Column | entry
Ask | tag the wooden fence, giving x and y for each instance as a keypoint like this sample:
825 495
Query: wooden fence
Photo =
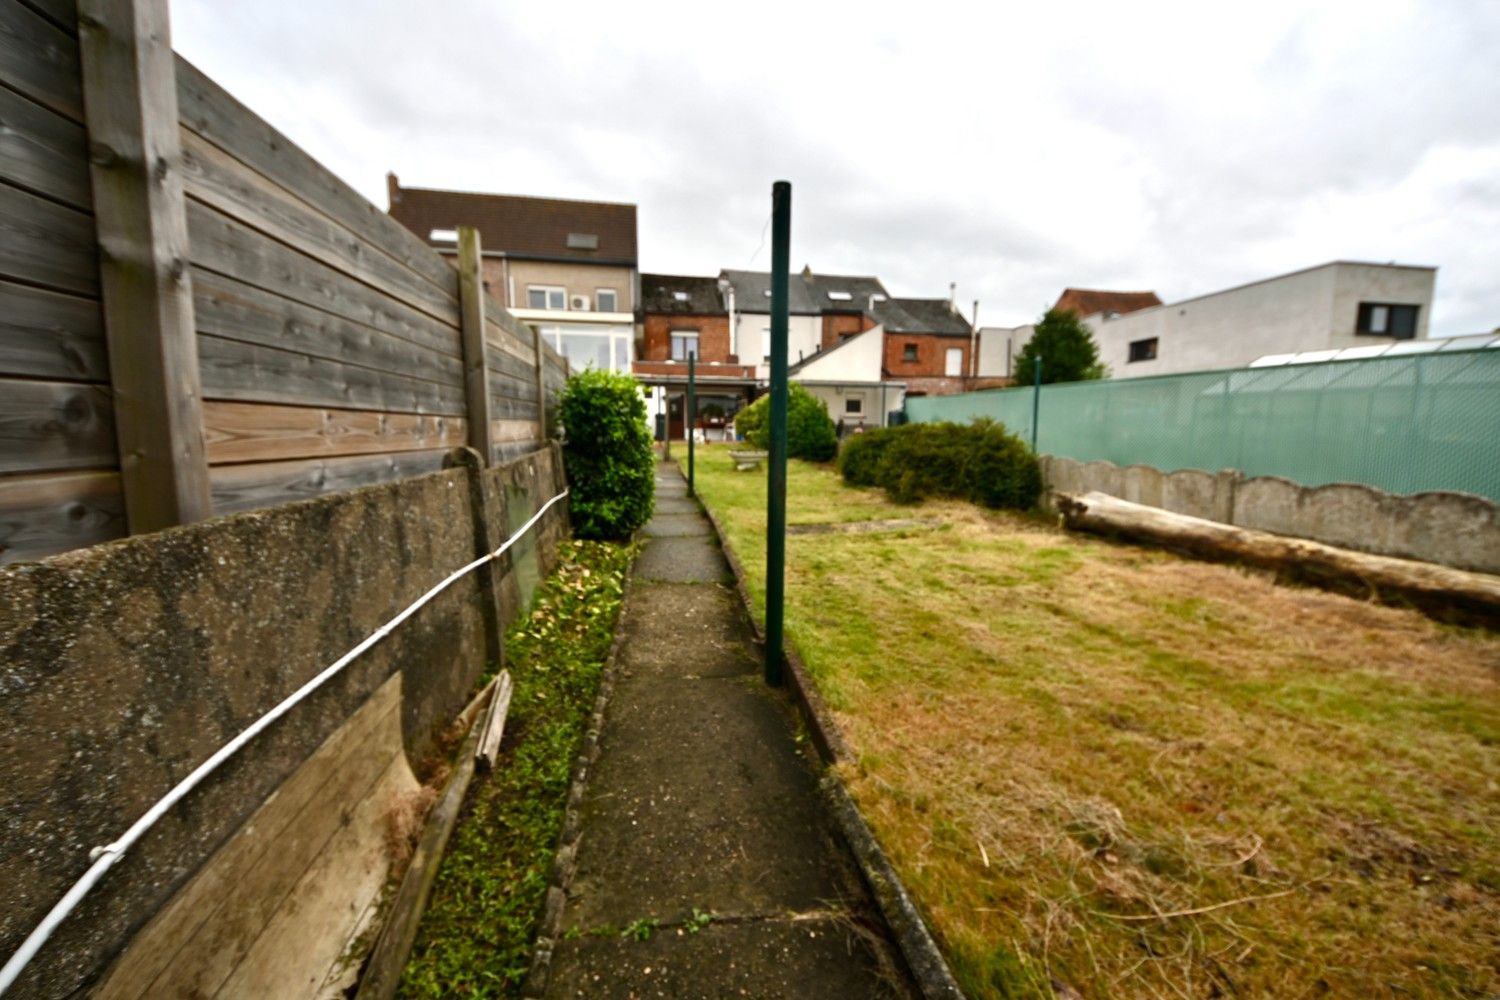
182 285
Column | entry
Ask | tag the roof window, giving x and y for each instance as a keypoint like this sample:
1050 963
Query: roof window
840 296
443 236
680 296
583 241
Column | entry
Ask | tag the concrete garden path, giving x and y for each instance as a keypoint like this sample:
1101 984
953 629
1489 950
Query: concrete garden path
700 803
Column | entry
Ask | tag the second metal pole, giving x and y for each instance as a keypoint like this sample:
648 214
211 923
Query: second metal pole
692 413
781 247
1036 398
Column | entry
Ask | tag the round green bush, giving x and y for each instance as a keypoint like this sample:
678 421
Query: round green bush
608 454
980 462
809 430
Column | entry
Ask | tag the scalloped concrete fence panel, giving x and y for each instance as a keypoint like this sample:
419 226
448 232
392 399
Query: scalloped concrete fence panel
1454 529
126 664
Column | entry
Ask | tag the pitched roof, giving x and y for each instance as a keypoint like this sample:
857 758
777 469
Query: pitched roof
807 292
522 226
921 316
1090 302
659 294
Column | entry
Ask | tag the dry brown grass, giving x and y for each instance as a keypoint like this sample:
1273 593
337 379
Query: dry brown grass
1108 770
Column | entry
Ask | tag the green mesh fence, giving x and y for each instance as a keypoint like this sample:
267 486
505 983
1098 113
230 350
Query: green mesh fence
1404 424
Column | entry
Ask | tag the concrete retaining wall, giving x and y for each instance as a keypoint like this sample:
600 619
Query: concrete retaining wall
126 664
1454 529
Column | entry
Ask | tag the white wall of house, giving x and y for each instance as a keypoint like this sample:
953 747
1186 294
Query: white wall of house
1309 310
848 381
994 341
863 404
804 334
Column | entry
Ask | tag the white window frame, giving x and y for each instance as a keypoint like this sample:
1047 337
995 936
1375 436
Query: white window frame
547 292
614 296
674 335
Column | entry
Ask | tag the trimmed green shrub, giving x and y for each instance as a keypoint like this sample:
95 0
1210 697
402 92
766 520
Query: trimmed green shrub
859 457
611 465
809 430
980 462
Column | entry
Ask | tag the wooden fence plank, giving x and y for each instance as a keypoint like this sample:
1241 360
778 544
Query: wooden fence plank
250 373
64 13
264 484
42 515
476 354
40 60
44 243
51 335
213 113
224 307
216 178
259 432
55 425
504 363
44 152
135 169
511 431
229 247
516 345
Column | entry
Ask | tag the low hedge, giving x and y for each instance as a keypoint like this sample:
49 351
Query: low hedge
980 461
809 430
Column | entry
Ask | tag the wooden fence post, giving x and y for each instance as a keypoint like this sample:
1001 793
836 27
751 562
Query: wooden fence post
135 165
541 382
476 366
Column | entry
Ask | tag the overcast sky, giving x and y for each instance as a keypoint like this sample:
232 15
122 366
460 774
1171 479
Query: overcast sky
1013 149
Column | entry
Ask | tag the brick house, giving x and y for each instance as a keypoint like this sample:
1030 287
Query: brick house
927 345
679 315
566 267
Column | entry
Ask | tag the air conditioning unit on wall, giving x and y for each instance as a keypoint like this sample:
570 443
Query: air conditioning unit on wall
580 303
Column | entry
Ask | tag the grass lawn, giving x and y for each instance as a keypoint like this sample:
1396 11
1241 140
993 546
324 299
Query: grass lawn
1105 771
475 937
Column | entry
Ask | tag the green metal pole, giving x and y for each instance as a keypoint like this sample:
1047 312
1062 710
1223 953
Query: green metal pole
1036 399
692 413
781 253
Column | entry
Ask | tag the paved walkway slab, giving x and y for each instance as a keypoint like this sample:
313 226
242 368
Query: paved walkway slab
701 801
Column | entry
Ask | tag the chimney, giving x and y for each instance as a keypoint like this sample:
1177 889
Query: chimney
952 294
392 187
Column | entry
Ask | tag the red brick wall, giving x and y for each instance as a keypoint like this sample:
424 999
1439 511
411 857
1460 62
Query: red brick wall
931 350
842 324
713 336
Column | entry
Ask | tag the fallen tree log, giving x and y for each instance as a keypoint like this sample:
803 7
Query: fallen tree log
1443 592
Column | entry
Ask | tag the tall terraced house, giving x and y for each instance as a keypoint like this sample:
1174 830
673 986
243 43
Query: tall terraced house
566 267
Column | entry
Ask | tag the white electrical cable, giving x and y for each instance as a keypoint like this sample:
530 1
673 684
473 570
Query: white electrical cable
105 857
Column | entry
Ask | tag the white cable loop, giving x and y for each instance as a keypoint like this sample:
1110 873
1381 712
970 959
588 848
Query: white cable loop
104 857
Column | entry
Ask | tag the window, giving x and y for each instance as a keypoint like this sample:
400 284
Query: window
684 342
1143 350
909 352
953 361
591 345
546 297
1385 319
854 405
605 300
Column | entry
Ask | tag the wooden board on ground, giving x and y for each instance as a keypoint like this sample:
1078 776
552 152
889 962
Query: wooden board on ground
494 722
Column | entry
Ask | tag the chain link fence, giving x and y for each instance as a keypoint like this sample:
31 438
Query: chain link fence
1404 424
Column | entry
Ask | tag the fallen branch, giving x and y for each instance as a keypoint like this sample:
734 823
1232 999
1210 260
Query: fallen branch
1440 590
